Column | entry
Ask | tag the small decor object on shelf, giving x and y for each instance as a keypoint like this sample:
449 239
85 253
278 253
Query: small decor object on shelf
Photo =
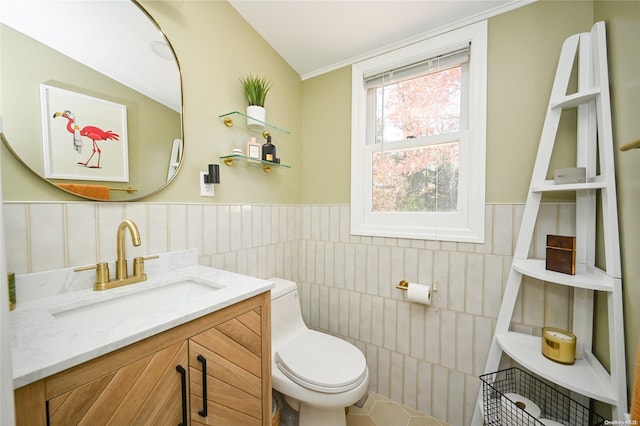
561 254
253 150
269 151
559 345
256 89
571 175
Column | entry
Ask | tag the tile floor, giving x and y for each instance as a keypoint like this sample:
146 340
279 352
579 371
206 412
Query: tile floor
380 411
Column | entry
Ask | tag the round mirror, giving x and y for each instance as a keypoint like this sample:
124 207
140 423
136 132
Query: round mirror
91 96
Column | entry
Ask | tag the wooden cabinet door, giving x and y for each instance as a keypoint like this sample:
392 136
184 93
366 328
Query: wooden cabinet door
145 392
231 353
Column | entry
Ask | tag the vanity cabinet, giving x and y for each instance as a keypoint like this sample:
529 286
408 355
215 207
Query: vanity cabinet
146 391
149 381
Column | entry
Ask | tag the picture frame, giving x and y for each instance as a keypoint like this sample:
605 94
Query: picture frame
84 137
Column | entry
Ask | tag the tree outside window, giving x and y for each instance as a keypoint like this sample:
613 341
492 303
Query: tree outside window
423 178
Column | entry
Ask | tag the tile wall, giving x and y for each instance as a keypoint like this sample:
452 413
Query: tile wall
425 357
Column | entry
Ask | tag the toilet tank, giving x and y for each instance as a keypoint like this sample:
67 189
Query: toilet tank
286 316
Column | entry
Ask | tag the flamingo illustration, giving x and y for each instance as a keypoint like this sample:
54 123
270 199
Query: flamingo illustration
93 133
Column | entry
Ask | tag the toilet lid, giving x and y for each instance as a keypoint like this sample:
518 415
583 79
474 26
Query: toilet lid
321 362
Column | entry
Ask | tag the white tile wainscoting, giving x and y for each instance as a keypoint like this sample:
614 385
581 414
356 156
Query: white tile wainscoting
426 358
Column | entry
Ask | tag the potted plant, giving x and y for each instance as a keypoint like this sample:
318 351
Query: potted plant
255 89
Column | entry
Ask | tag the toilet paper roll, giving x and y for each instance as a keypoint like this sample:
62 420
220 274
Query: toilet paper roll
419 293
518 410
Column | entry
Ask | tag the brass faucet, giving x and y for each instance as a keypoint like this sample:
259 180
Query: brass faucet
122 275
121 262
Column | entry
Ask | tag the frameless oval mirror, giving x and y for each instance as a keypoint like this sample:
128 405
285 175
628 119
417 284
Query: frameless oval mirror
91 96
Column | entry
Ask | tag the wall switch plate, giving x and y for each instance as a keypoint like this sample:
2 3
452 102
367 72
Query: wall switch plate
206 189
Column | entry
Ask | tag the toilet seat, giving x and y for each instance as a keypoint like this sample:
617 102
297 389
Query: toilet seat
321 362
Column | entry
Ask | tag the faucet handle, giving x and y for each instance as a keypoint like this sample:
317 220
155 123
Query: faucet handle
102 271
138 265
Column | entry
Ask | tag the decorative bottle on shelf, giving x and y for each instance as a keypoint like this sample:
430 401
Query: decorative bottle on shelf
269 151
253 149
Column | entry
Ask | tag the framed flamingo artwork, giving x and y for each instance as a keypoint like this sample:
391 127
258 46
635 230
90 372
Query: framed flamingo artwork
84 138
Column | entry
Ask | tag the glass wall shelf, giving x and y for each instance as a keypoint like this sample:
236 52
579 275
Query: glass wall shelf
227 119
229 160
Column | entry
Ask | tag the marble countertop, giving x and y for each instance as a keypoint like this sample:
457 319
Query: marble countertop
41 345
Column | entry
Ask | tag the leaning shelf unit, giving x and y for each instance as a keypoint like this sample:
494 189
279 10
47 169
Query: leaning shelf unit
587 376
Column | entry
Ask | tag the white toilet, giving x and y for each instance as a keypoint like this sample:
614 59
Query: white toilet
319 374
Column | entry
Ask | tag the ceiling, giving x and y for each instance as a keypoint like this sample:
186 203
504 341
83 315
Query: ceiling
130 51
317 36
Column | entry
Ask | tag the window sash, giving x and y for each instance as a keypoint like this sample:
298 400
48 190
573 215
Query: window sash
441 226
413 219
372 110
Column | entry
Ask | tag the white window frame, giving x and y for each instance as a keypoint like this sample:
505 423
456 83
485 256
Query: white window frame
467 225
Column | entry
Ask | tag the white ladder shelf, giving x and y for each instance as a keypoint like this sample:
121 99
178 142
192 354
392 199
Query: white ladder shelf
587 376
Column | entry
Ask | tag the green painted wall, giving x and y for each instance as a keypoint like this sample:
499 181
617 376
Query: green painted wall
228 48
326 152
524 45
623 37
215 47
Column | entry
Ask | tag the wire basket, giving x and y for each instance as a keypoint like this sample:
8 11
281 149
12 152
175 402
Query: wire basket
506 393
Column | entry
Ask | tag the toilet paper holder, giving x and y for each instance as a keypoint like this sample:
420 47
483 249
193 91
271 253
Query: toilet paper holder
404 285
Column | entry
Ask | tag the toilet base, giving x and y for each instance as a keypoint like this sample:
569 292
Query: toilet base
316 416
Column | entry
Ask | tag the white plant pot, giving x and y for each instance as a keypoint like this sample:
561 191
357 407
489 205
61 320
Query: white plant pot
256 117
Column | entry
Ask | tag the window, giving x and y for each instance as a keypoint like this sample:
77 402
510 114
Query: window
418 140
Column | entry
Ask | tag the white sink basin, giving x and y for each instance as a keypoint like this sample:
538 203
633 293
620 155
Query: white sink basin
108 313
